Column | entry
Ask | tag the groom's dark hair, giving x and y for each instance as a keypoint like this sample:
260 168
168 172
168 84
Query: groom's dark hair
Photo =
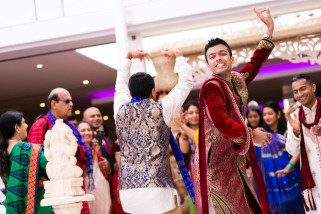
141 85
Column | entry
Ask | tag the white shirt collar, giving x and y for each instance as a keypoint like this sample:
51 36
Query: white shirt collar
313 109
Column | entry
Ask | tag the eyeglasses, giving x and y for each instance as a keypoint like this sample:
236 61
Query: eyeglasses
66 101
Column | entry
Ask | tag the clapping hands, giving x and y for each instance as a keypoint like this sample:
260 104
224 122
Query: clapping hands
180 118
294 121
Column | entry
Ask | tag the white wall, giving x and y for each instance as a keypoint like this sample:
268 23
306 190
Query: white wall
16 12
168 9
32 24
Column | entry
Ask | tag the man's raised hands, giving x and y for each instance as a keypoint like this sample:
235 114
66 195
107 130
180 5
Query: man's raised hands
266 18
138 54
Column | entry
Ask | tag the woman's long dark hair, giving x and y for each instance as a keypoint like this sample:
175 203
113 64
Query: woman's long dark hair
281 128
8 121
258 111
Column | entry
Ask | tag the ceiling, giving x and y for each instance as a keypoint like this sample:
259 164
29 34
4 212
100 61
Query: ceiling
24 87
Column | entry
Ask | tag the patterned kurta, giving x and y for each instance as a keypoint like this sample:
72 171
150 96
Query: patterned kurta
143 139
227 139
313 149
27 163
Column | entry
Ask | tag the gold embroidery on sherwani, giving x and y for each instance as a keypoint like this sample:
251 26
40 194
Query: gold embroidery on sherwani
242 90
265 43
240 86
245 75
241 165
220 206
238 140
243 187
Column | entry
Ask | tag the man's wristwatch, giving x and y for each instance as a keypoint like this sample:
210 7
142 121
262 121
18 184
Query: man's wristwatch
267 36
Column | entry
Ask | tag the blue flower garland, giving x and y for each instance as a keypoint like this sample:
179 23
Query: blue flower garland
80 142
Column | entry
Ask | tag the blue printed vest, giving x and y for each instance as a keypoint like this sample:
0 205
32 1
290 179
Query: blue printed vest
144 141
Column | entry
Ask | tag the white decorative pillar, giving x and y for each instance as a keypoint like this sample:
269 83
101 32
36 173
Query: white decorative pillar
124 41
63 190
121 33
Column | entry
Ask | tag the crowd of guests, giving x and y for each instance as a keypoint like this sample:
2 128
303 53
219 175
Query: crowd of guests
210 149
19 150
280 169
279 164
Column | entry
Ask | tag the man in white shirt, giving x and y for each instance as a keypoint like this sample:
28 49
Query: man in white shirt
143 131
304 138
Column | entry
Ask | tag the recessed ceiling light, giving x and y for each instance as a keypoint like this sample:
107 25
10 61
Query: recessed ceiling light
77 112
105 117
85 82
39 66
42 105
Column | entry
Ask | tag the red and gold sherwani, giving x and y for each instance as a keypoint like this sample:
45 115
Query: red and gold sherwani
225 140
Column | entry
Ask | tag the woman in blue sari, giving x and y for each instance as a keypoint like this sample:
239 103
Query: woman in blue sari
281 173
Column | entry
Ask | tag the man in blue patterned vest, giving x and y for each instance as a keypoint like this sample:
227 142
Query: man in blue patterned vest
143 130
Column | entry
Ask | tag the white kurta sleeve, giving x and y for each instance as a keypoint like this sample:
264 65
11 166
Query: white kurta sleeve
177 96
122 94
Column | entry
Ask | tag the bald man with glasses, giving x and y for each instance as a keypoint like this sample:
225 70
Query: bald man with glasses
60 107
